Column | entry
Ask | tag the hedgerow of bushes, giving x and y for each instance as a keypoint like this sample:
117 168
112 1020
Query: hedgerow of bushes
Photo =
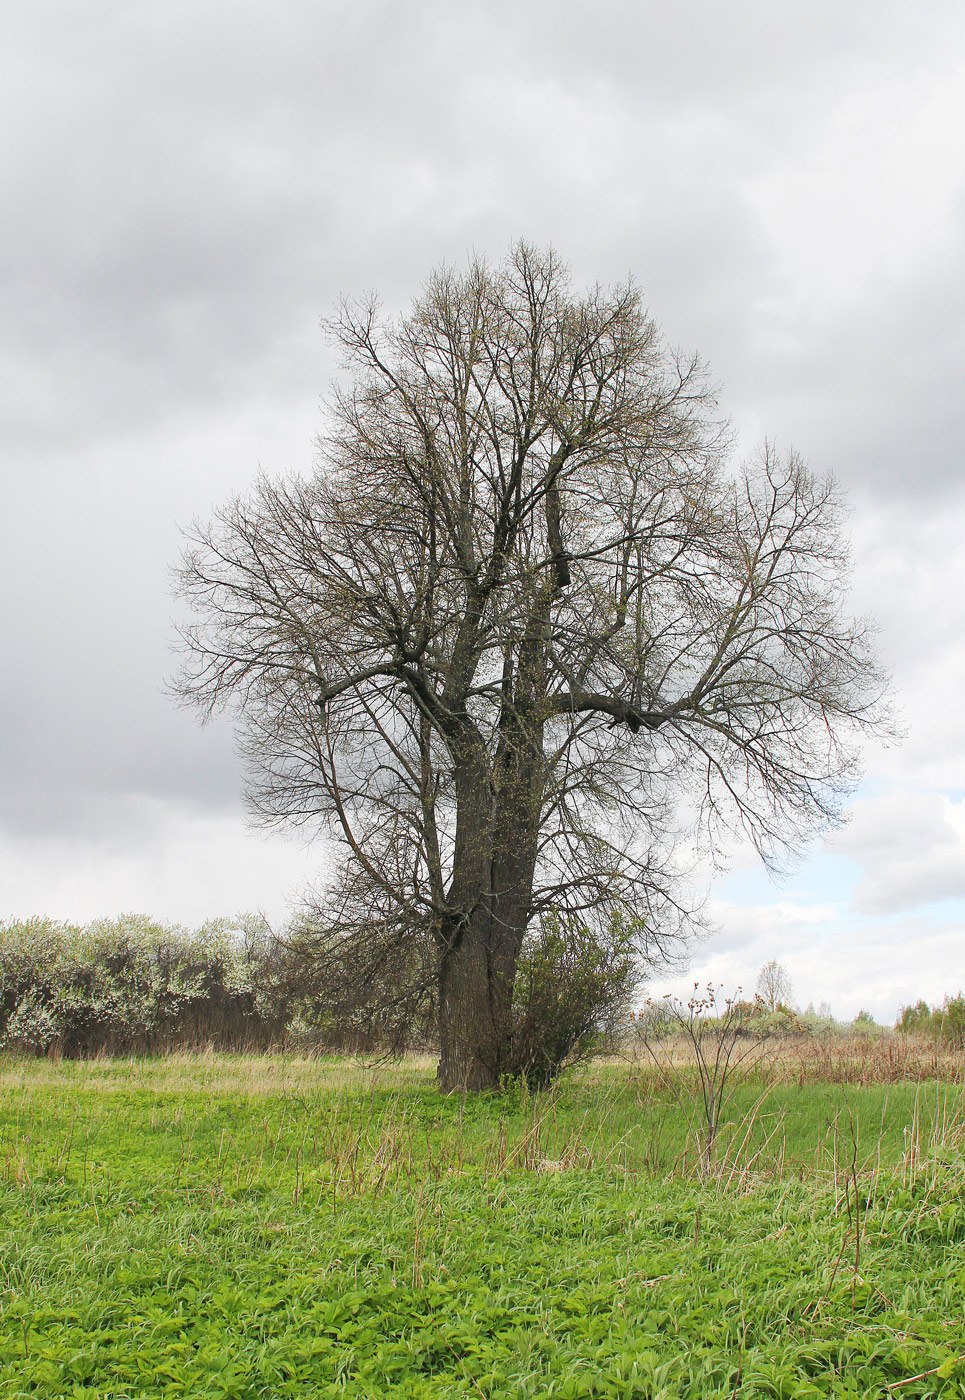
130 985
135 986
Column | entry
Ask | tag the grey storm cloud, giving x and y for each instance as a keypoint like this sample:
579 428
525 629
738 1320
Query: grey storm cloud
187 190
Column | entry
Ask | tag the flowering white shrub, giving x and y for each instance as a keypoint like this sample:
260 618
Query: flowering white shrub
131 984
31 1029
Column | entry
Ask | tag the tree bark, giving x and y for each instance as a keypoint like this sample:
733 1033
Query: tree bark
468 1040
493 878
477 975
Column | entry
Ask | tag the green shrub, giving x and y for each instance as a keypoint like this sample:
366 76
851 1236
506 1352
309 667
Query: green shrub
945 1023
574 983
952 1021
915 1018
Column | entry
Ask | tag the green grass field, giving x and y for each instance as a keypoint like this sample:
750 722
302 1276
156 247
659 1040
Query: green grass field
212 1226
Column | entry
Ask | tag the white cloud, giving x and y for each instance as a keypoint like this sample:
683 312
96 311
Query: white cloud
852 964
168 861
876 191
911 847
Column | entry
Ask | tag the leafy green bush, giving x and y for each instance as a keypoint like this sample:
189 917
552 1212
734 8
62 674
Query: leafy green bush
945 1023
574 983
864 1023
819 1024
915 1018
952 1021
31 1029
781 1022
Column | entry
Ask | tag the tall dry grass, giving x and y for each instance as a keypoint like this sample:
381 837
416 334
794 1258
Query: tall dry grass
887 1057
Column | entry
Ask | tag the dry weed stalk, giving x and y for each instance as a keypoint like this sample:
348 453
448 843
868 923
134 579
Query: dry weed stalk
719 1042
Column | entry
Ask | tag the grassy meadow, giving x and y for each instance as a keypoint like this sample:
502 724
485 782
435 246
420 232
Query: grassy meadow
265 1226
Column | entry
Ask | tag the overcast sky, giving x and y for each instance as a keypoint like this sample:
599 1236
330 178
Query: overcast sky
188 188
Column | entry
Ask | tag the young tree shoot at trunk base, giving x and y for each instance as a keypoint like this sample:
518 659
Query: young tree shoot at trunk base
524 612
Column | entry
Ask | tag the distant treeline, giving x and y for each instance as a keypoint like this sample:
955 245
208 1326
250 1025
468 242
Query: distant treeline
131 985
945 1022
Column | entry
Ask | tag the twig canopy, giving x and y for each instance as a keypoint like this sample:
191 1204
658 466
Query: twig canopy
522 606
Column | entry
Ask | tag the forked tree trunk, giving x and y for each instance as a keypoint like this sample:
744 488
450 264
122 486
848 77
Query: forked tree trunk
468 1039
476 979
493 869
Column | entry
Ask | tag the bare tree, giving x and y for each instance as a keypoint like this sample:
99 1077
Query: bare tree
774 986
522 609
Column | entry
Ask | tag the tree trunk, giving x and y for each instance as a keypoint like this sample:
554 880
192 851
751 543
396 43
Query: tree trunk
469 1055
468 1039
493 868
477 974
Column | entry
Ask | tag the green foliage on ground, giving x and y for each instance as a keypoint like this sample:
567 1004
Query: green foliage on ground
266 1228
